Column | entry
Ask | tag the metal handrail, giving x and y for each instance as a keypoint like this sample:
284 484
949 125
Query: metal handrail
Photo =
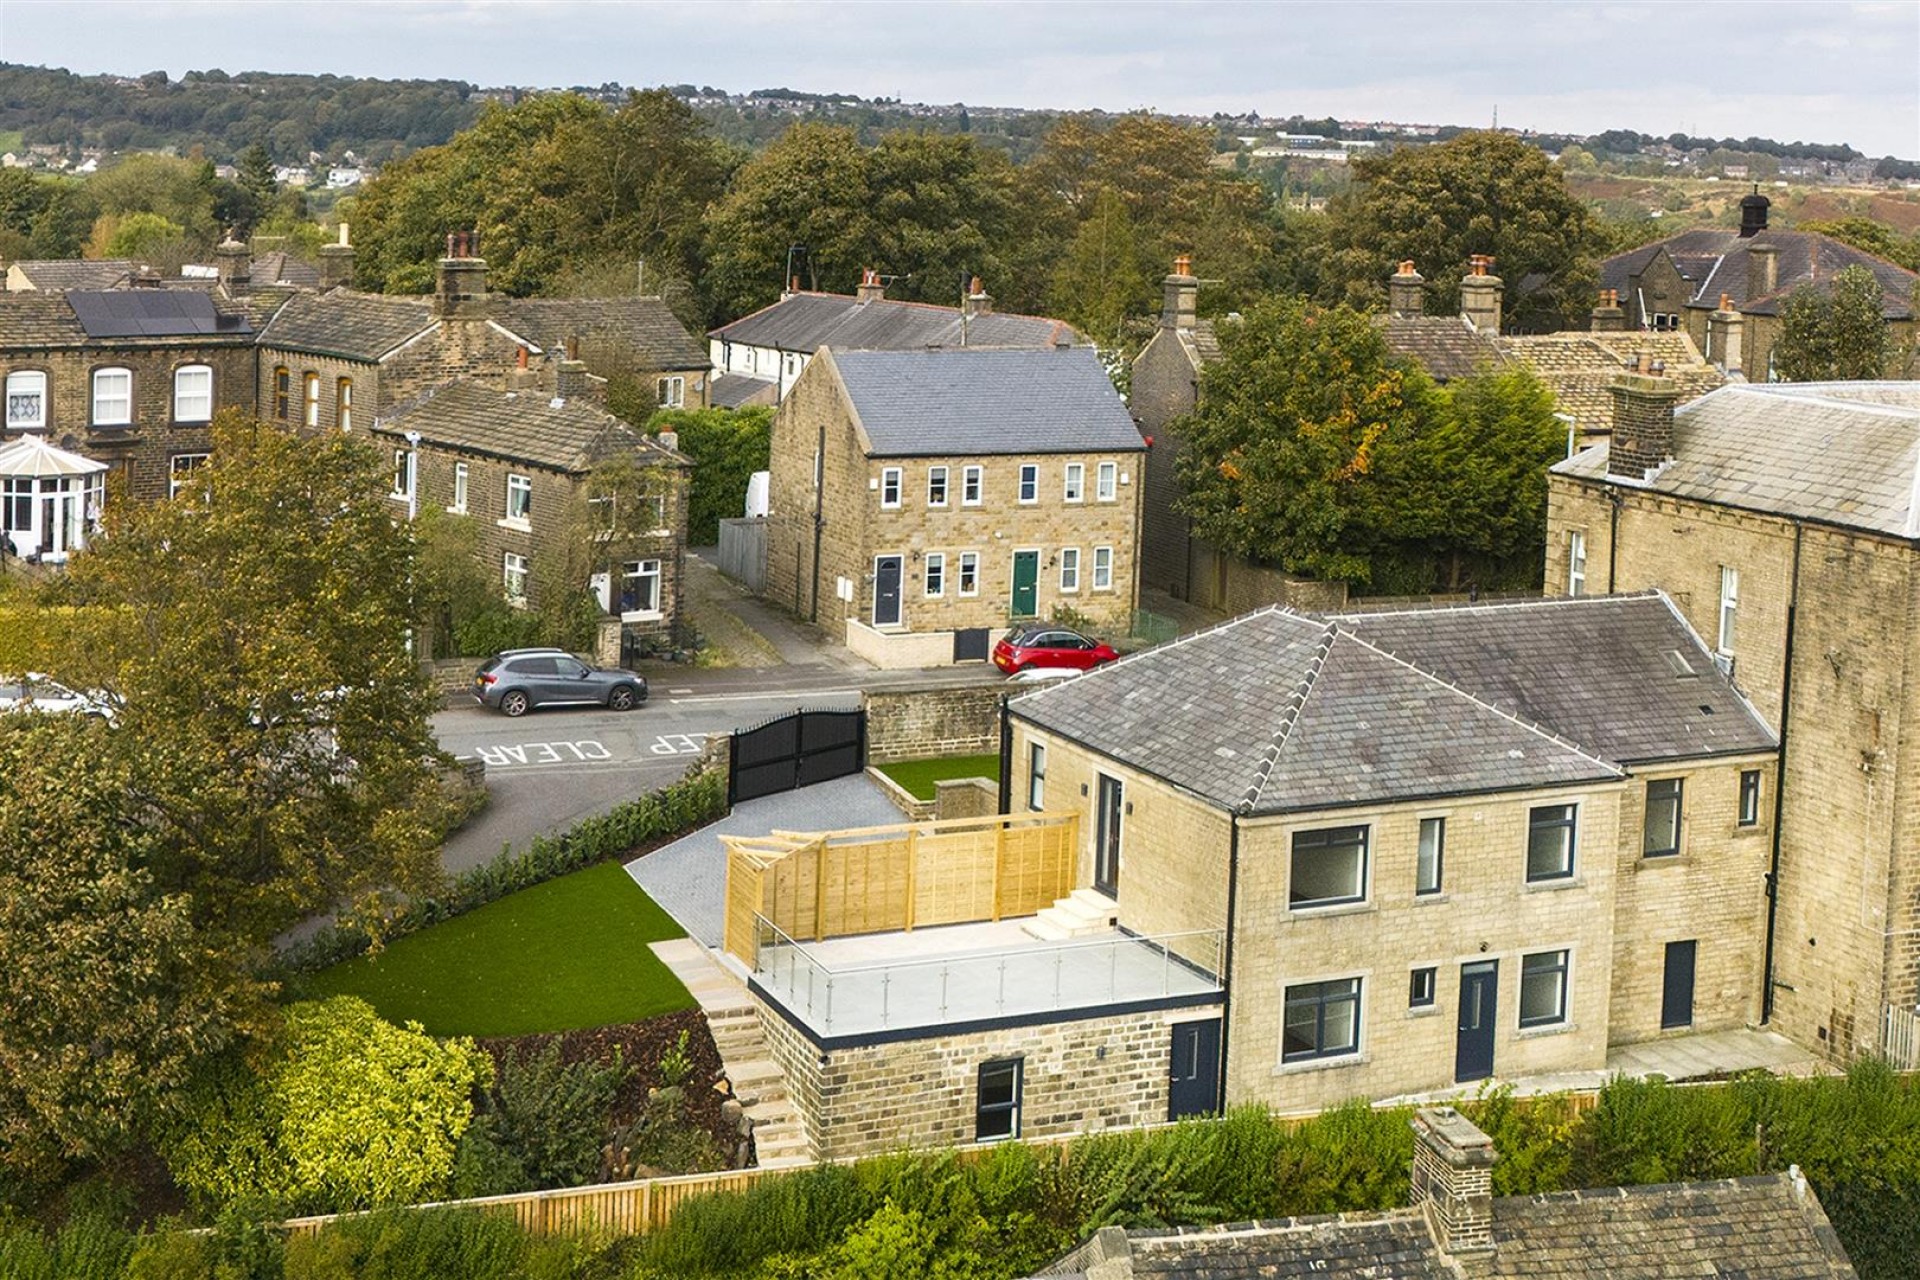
1162 941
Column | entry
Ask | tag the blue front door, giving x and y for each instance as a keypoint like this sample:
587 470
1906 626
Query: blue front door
1479 1015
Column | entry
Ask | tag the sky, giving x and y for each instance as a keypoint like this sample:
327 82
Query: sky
1824 71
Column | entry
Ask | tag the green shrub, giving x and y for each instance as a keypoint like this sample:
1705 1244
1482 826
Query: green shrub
1649 1131
551 1116
727 446
90 1246
1534 1139
413 1245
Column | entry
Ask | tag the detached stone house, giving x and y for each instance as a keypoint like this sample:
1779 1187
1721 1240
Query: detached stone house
922 501
1784 521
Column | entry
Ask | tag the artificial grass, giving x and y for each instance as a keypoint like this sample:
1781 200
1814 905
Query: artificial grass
562 956
918 776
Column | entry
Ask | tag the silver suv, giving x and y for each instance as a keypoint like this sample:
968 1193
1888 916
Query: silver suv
517 680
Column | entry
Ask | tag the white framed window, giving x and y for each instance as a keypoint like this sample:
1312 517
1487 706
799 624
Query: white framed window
1577 562
180 469
602 513
1322 1020
1329 867
653 506
1070 569
26 400
1076 486
1543 989
112 397
193 393
972 486
402 473
890 487
1107 484
1551 837
936 486
519 498
1029 483
459 505
969 573
343 404
936 574
310 396
1729 609
640 587
1432 855
1036 777
514 576
671 392
1103 568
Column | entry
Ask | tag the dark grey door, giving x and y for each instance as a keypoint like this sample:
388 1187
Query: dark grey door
1676 992
1193 1084
1106 841
1479 1015
886 591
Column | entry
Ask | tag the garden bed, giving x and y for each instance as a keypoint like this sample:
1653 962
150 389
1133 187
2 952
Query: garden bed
917 777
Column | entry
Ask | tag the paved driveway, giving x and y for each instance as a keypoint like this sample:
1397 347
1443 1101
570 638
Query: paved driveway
689 877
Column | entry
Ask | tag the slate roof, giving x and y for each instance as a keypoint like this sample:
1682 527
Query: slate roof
732 390
1581 368
1447 346
37 319
72 273
644 327
1716 261
1276 713
281 267
1844 453
527 426
807 322
355 326
969 401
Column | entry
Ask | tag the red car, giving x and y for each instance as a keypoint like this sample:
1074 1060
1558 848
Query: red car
1047 646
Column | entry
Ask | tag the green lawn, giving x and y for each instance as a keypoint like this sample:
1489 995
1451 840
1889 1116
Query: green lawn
560 956
918 776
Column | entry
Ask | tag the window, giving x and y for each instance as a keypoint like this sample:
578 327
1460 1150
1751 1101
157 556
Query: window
1729 609
1322 1020
112 397
890 487
519 498
1577 563
310 396
16 504
1660 831
193 393
1329 866
180 468
602 513
936 486
1543 989
970 486
282 390
343 403
1070 569
26 400
936 574
640 586
1433 849
1421 988
1550 842
1749 797
671 392
1036 777
1103 568
1076 481
1029 483
997 1106
969 573
402 480
459 506
1109 475
515 575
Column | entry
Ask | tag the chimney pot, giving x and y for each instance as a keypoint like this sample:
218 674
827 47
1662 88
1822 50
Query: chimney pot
1480 295
1183 265
1180 296
1405 291
871 289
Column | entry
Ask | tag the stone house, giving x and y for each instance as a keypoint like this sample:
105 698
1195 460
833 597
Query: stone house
545 475
921 501
1781 519
1724 289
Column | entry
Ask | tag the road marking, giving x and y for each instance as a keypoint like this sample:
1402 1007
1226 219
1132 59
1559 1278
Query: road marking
537 753
677 744
679 691
769 695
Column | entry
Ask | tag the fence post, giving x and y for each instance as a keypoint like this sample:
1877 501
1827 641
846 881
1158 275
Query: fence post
913 866
999 862
819 889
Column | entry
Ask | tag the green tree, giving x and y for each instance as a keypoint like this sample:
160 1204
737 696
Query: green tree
145 236
1836 333
255 175
1100 282
727 447
1480 193
179 190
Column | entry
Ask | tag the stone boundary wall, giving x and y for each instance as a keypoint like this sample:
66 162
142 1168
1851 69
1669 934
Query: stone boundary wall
927 723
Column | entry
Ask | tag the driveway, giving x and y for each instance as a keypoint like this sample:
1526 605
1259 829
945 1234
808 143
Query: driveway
689 877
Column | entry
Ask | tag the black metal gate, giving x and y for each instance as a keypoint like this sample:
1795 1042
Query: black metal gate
796 750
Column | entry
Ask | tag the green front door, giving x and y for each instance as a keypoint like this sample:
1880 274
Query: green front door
1026 580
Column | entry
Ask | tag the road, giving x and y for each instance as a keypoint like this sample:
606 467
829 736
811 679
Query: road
549 769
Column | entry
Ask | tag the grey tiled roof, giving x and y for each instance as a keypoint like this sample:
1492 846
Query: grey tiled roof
1580 368
1348 1247
732 390
1843 453
1275 713
809 321
281 267
1446 346
48 320
970 401
642 333
73 273
358 326
1716 261
528 426
1600 671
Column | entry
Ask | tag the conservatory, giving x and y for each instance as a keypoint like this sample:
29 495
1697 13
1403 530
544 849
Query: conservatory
50 499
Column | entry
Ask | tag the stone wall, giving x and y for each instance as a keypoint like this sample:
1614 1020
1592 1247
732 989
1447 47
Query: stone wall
922 724
1165 385
365 399
965 798
1230 585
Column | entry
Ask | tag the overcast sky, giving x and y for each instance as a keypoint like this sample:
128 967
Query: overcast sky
1819 72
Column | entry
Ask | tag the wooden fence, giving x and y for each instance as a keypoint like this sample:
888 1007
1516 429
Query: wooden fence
816 885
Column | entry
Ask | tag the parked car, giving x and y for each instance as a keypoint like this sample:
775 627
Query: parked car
517 680
1049 646
36 692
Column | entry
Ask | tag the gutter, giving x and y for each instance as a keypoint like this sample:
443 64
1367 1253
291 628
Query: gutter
1226 953
1780 785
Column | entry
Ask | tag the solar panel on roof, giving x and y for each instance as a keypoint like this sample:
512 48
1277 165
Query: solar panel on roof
146 313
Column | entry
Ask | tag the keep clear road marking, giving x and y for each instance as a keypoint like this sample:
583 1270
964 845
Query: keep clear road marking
676 744
536 753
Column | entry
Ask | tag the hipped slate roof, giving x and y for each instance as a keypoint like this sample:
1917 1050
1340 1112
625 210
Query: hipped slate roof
526 426
357 326
806 322
1844 453
969 401
1716 261
73 273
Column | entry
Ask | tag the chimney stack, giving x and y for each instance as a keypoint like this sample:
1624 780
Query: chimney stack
1480 292
1642 421
1753 213
871 289
1725 330
336 263
233 262
1609 316
461 292
1763 270
1406 291
1181 296
979 301
1453 1181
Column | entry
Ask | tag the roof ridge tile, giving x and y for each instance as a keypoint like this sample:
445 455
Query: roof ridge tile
1289 717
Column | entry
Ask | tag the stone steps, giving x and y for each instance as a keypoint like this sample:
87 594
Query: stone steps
1080 914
